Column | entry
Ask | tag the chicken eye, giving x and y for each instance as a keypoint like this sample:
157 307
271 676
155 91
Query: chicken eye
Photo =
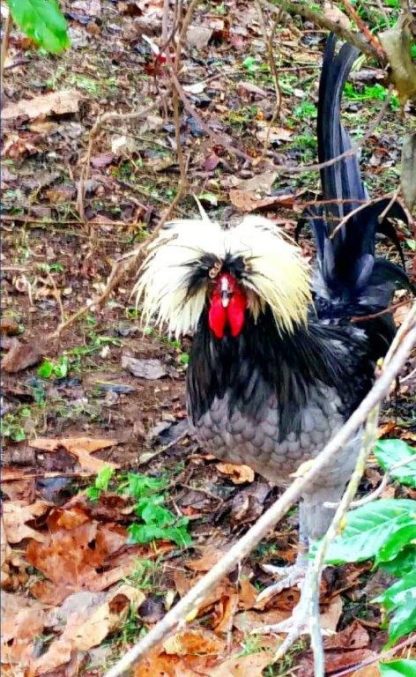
213 272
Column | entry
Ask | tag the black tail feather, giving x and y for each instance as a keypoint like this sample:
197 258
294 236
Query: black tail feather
346 254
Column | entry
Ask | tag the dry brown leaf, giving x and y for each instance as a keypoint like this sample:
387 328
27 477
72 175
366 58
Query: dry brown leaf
22 619
16 514
75 552
238 474
210 556
243 666
8 326
340 660
249 201
261 183
159 664
87 628
81 447
355 636
21 356
196 641
386 428
247 594
245 201
54 103
224 613
329 619
273 134
246 621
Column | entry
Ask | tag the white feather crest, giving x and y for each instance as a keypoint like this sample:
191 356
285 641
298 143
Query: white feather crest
275 272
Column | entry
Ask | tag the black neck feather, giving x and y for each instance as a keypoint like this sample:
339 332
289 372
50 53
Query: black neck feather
263 361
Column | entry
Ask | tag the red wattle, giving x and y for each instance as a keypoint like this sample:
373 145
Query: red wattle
217 318
235 314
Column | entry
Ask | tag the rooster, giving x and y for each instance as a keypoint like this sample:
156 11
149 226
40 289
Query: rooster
282 355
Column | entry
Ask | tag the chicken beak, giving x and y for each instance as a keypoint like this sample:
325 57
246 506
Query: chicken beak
226 292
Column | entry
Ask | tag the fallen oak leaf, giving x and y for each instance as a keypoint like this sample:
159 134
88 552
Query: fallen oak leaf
22 619
193 641
53 103
81 447
238 474
331 615
88 628
16 514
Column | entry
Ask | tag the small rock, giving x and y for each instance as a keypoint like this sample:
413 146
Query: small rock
198 36
148 369
21 356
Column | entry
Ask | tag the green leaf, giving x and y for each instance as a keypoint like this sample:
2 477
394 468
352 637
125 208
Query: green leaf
18 434
101 483
400 668
139 486
403 564
45 370
400 602
391 452
157 514
368 528
103 478
250 64
93 493
393 596
397 542
145 533
42 21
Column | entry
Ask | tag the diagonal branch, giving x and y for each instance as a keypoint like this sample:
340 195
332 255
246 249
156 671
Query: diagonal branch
405 340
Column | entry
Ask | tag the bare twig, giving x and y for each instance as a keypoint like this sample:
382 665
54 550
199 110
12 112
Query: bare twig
57 295
384 482
319 19
165 18
410 641
106 117
313 579
5 45
372 40
268 38
363 318
390 204
194 597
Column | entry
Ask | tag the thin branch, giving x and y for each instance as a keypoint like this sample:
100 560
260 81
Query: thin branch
384 482
316 568
323 21
237 552
268 38
410 641
106 117
5 46
362 26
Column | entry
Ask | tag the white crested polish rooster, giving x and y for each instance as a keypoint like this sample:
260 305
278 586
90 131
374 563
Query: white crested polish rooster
277 366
